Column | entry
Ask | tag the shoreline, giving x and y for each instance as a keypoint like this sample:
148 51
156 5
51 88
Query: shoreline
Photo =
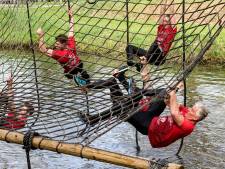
208 58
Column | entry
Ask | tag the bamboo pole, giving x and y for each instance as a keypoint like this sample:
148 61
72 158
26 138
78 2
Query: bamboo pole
81 151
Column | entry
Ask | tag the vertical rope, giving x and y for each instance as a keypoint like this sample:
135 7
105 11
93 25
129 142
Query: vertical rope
27 145
34 60
86 94
69 6
183 64
127 17
128 41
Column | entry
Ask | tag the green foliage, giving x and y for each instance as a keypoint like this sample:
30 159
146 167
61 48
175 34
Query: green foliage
91 27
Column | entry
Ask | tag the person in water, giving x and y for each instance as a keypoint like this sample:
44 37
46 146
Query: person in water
11 117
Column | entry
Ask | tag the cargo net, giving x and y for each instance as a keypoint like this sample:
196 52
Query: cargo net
68 110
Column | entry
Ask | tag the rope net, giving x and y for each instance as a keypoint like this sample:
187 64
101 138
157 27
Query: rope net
102 29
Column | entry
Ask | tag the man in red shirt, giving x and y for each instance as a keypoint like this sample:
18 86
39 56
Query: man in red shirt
65 52
164 130
160 47
161 130
13 118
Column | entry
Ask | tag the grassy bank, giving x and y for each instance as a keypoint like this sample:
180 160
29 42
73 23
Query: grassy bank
216 54
96 31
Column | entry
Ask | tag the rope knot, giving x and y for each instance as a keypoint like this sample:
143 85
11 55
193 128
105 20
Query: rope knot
27 145
27 140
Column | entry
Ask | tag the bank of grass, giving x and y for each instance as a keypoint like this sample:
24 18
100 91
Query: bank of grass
95 33
216 54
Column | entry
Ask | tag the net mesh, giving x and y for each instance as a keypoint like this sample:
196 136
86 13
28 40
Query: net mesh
103 29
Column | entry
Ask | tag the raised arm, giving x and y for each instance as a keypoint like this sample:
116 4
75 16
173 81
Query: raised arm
167 8
162 11
174 109
174 106
42 45
172 15
10 95
71 30
71 40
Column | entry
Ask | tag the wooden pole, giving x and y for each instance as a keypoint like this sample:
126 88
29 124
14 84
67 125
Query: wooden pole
81 151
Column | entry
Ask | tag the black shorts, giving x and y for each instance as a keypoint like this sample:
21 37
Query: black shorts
76 70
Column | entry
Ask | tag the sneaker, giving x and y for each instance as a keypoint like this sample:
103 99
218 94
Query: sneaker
138 67
80 81
130 86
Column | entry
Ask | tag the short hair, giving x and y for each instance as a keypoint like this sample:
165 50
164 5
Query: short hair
30 108
61 38
203 113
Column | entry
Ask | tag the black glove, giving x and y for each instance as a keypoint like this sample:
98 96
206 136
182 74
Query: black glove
130 63
138 67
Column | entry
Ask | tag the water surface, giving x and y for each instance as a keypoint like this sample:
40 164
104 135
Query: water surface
203 149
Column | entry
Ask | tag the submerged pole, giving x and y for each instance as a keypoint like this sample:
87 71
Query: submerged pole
83 151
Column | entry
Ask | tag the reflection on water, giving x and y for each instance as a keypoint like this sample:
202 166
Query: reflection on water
204 149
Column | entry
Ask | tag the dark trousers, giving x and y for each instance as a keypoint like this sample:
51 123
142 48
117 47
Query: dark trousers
76 70
122 105
141 120
154 54
111 84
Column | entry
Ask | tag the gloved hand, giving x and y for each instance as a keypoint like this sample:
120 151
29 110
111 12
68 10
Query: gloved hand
130 63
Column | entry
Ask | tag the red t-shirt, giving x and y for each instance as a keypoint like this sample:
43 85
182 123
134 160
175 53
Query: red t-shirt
165 37
14 123
164 131
67 57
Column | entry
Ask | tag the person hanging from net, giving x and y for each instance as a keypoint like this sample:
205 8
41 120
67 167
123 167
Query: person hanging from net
161 130
136 96
140 96
66 54
128 84
164 130
11 118
156 54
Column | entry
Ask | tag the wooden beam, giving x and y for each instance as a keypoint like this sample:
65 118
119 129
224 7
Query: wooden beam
81 151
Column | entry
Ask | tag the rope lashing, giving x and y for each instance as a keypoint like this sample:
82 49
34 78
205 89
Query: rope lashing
27 145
